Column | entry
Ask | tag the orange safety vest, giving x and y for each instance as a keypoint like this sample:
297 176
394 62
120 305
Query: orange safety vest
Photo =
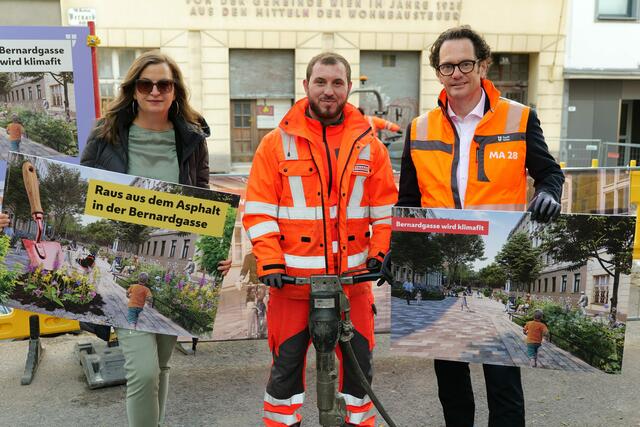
378 124
497 175
289 215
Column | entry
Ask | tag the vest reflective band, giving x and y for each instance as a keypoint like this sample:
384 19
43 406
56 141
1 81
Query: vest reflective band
496 175
295 182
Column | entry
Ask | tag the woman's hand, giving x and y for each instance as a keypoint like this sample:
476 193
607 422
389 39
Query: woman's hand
4 220
224 266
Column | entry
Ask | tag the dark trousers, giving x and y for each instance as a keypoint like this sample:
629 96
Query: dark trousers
504 394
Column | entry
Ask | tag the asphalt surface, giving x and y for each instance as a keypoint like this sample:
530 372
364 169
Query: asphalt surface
223 385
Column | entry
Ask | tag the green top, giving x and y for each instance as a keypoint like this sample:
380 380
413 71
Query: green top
152 154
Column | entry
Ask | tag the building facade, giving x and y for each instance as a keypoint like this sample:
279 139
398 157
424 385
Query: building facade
601 116
245 60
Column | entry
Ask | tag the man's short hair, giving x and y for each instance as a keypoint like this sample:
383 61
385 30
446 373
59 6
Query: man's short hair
538 314
329 58
143 278
480 46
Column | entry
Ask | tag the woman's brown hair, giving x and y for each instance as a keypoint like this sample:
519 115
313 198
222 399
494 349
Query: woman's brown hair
107 128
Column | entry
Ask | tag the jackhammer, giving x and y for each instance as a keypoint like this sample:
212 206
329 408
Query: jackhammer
330 324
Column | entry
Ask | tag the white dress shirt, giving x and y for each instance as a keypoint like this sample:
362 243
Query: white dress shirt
466 127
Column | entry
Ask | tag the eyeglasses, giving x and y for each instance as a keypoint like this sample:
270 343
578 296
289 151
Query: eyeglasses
465 67
145 86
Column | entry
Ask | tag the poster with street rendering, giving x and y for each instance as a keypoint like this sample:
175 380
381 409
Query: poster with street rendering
495 287
113 249
46 92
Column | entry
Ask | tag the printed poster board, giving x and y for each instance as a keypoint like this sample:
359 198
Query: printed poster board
46 84
467 282
99 232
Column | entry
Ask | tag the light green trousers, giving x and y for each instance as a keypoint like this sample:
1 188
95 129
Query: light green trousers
147 370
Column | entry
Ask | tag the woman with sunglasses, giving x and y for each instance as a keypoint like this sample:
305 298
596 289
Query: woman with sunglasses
150 130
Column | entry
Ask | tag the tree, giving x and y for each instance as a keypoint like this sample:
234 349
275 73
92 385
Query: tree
16 199
63 194
576 239
459 250
418 251
5 83
492 276
131 234
211 249
102 232
520 260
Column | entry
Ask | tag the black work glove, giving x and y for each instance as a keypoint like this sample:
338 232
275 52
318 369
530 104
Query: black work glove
543 207
274 280
374 265
387 276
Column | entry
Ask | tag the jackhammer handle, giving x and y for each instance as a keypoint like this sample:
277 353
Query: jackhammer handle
290 280
367 277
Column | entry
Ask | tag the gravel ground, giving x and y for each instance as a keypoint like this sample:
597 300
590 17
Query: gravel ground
223 386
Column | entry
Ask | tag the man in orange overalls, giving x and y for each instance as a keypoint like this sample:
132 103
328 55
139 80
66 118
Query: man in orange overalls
319 201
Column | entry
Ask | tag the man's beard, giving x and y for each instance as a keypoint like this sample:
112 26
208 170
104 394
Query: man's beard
326 115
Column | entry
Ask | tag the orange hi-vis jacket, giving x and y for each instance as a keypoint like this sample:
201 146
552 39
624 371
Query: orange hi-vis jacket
299 227
378 124
497 174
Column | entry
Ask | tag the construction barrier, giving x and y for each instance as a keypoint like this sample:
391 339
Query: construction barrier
15 325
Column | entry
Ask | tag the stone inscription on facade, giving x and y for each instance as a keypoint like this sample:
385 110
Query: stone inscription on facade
381 10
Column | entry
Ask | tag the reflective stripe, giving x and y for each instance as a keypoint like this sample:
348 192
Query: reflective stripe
287 212
289 146
359 417
334 246
295 182
421 126
514 117
357 259
381 211
297 261
297 191
262 228
357 212
381 222
261 208
281 418
433 145
355 401
365 154
296 399
517 207
357 191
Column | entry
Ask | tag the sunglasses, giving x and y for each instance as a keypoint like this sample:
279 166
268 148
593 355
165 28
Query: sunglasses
145 86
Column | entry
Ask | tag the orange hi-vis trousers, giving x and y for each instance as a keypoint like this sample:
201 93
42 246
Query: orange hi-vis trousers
289 340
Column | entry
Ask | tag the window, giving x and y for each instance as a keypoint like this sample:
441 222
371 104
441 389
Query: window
39 92
617 9
576 283
148 247
563 285
172 251
185 249
113 64
242 115
155 247
546 282
30 89
162 247
388 60
539 284
22 91
601 289
553 284
56 95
